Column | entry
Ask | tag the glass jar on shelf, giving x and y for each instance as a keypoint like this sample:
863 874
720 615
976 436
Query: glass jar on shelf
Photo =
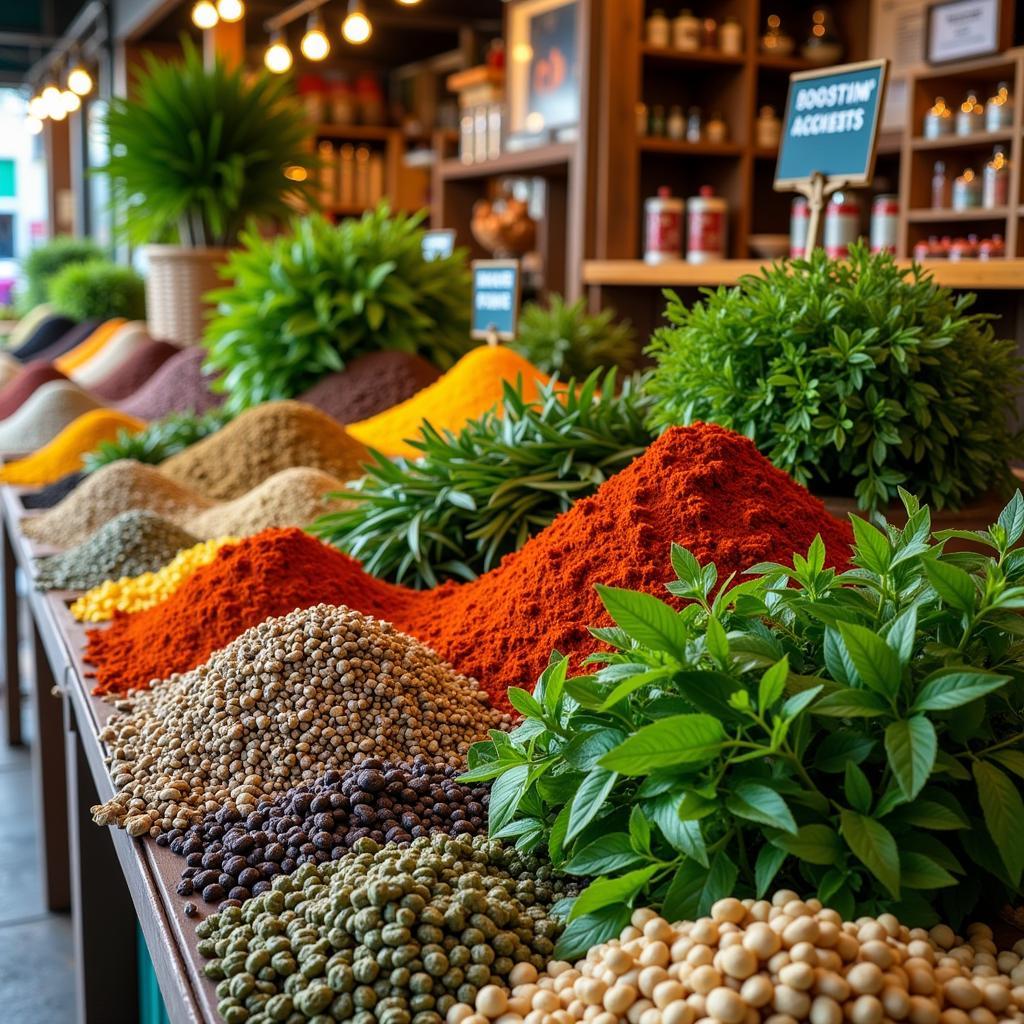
717 130
657 124
694 125
970 118
938 121
686 31
676 125
768 129
730 37
775 41
996 180
658 30
967 191
709 34
999 109
940 186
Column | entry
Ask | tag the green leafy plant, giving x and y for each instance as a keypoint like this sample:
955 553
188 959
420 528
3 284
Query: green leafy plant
302 304
469 499
198 151
160 440
855 376
45 261
566 340
98 289
858 736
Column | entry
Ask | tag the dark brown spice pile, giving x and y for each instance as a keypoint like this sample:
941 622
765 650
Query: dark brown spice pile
178 386
231 856
135 371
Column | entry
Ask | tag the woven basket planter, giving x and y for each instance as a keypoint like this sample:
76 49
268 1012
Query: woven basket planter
178 279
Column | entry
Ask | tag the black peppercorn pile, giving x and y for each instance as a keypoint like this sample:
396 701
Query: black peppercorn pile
231 858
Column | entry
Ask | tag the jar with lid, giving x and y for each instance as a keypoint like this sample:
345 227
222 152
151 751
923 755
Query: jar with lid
970 118
663 227
960 250
842 224
885 220
676 123
709 33
658 30
923 249
641 119
768 129
991 248
657 126
705 226
717 130
686 31
730 37
996 180
823 45
799 222
938 121
999 109
775 41
694 125
940 186
967 191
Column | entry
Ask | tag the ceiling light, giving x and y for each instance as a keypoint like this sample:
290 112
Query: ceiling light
278 57
33 125
37 108
230 10
71 101
409 3
356 27
54 103
204 14
315 45
80 81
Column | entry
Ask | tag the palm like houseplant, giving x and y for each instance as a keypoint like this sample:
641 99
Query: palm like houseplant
194 155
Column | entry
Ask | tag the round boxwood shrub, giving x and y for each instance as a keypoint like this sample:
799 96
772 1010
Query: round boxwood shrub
98 290
855 376
45 261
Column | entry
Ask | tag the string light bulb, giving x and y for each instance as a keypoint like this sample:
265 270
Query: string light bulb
79 81
204 14
278 57
55 109
33 125
315 45
71 101
37 108
408 3
230 10
356 27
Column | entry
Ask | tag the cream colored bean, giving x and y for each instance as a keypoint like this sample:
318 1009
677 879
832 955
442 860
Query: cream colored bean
704 979
678 1013
761 940
825 1011
923 1010
799 976
738 962
864 979
666 993
757 991
619 998
865 1009
792 1001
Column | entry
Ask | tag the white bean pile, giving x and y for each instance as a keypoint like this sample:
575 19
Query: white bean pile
780 962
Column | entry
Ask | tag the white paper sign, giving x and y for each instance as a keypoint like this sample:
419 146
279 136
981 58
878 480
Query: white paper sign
960 30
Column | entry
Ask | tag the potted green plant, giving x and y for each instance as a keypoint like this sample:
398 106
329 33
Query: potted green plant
98 290
855 376
194 154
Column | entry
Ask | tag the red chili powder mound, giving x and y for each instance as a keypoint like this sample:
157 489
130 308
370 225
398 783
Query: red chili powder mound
701 486
19 389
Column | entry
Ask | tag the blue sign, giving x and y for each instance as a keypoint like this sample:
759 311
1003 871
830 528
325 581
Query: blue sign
438 245
495 299
831 124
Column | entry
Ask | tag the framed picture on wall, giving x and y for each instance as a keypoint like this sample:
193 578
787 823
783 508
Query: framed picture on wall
543 46
961 29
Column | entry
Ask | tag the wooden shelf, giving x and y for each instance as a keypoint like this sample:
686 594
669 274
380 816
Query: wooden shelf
694 58
680 147
978 140
540 161
766 154
956 216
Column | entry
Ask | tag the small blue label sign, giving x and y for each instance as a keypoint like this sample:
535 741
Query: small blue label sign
495 299
438 245
831 124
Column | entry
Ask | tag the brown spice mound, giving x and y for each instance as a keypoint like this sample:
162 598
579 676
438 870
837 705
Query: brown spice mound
179 385
370 384
135 371
262 442
293 497
119 487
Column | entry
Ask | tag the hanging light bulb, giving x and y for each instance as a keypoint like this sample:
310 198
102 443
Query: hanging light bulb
356 27
71 101
204 14
408 3
230 10
315 45
54 103
37 108
278 57
33 125
79 80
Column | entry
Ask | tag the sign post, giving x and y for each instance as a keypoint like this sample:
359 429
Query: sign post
830 133
496 289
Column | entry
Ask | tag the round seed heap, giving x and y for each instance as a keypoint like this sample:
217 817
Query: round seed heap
290 699
783 961
235 857
130 544
392 935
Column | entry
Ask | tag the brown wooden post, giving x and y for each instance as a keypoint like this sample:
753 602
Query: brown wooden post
58 161
226 40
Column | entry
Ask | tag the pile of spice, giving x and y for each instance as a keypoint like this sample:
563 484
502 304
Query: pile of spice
469 389
66 452
68 341
130 375
261 442
370 384
43 415
785 960
17 391
131 338
137 593
179 385
386 935
703 487
90 347
47 332
130 544
293 497
48 496
231 857
121 486
290 699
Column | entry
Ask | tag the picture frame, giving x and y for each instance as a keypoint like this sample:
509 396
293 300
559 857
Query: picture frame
963 29
544 65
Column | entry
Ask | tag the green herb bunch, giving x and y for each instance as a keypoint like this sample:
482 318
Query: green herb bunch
98 290
566 340
45 261
159 440
855 376
858 736
197 151
472 498
304 303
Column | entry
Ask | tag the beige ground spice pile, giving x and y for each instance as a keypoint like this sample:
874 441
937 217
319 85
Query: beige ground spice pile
261 442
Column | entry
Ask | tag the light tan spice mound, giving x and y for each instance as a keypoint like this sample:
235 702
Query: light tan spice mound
262 442
293 497
118 487
320 688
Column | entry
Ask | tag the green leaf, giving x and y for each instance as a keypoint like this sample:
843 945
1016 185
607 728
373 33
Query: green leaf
717 641
589 799
685 836
876 662
873 845
639 830
911 745
920 872
757 802
955 687
850 704
769 861
953 585
1011 519
507 790
872 550
857 788
772 685
840 747
1003 810
583 933
608 891
933 815
603 856
524 703
646 619
816 844
677 740
1012 759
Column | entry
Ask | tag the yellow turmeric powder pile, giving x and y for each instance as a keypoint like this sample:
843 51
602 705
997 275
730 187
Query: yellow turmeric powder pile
466 391
64 453
137 593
